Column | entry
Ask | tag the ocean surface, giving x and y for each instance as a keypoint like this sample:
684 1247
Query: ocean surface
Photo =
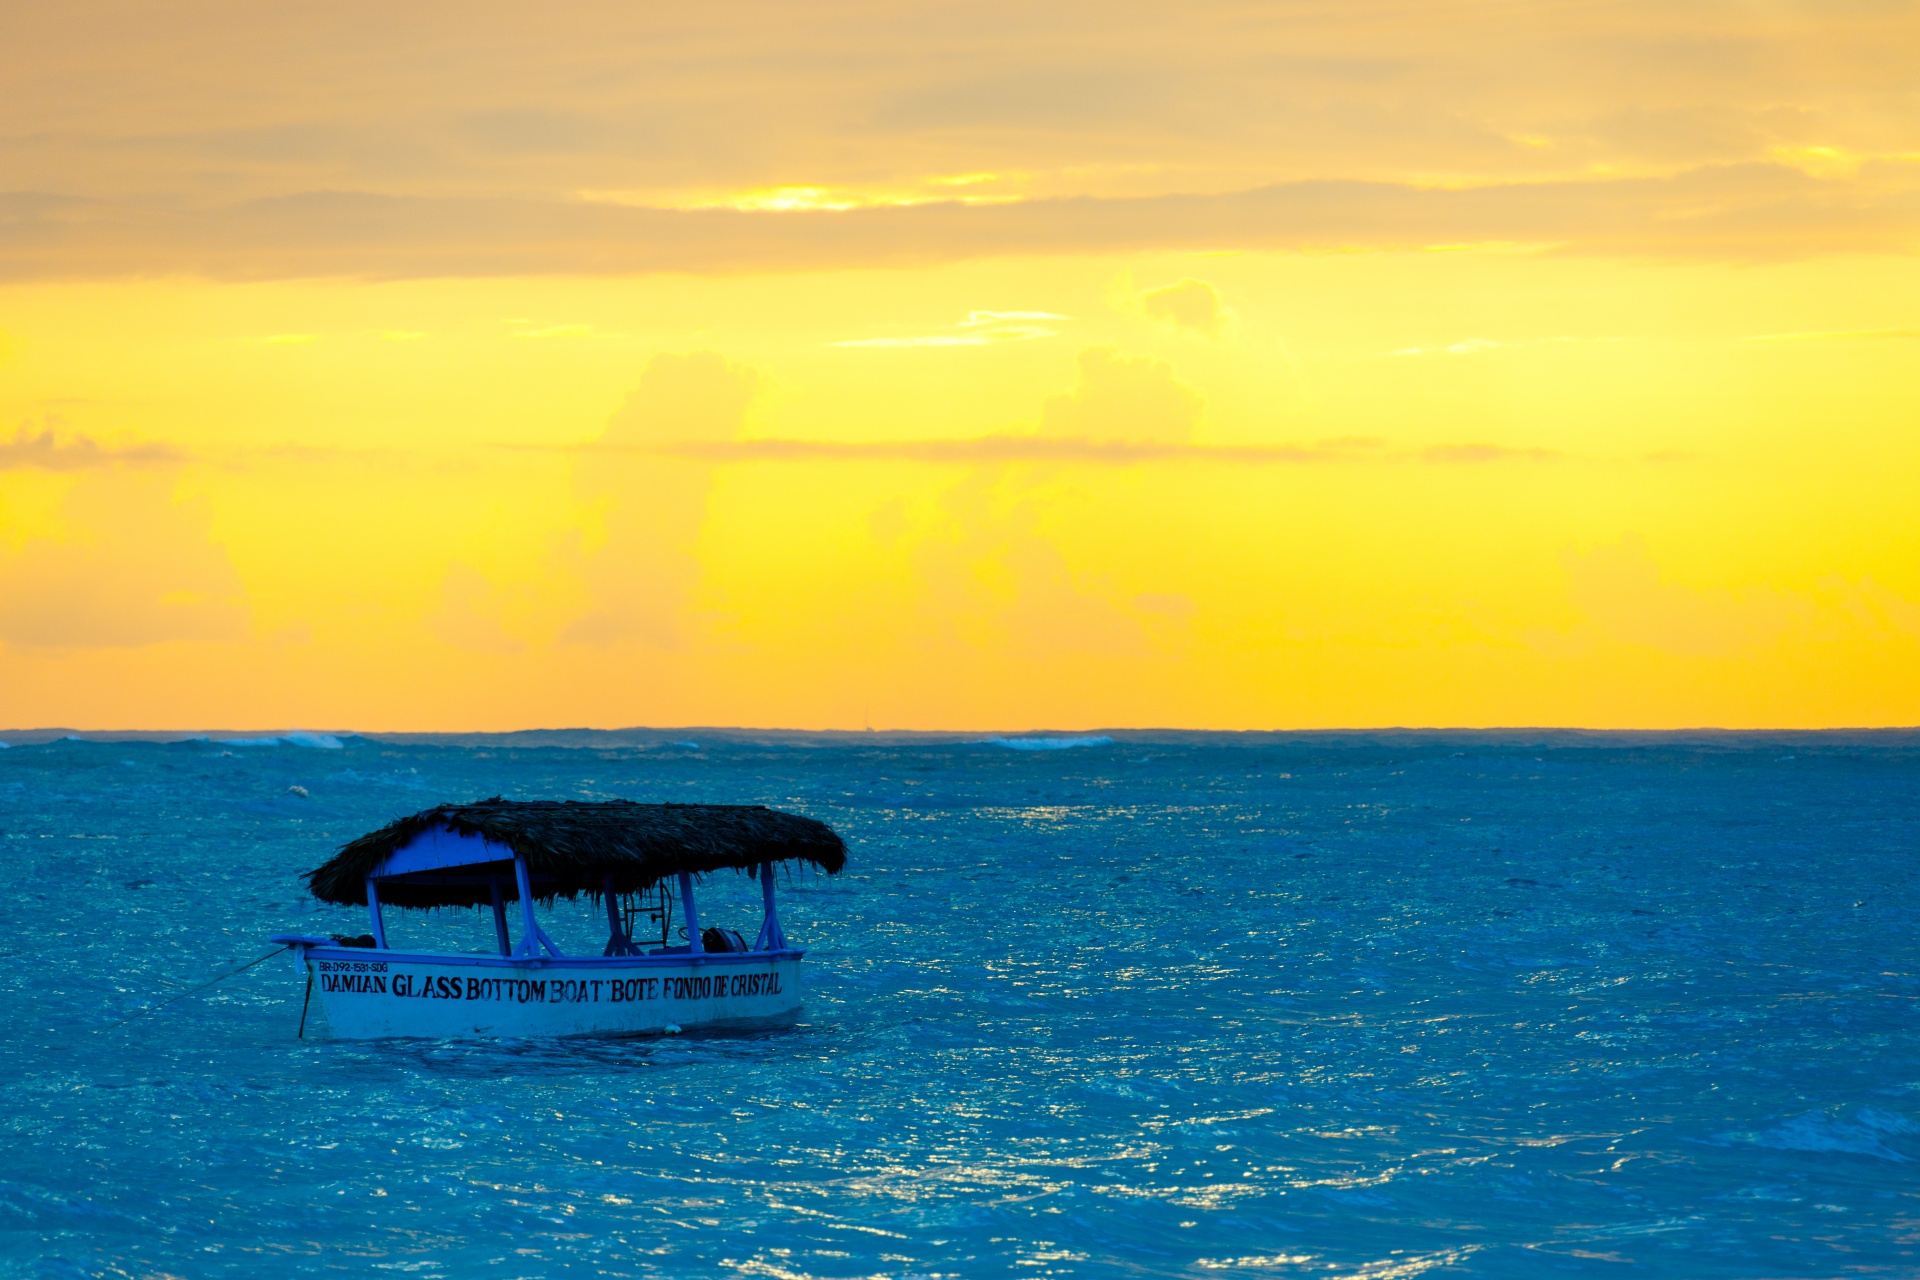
1316 1005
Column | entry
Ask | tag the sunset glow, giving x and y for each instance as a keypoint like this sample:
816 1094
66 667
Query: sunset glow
968 368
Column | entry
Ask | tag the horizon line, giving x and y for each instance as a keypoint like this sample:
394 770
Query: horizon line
264 736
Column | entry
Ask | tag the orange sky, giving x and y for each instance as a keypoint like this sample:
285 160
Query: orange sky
937 366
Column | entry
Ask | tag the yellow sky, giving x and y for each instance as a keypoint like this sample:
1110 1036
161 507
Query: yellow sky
934 367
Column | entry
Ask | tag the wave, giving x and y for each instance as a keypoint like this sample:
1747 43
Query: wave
1817 1131
297 738
1049 744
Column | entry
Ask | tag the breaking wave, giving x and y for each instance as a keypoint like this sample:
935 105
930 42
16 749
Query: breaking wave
1049 744
298 738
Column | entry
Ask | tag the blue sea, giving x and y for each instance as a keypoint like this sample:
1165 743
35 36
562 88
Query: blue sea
1128 1005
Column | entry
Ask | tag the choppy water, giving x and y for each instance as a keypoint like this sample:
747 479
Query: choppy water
1318 1006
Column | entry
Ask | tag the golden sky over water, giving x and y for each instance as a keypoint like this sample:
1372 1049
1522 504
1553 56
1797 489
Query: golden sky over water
979 366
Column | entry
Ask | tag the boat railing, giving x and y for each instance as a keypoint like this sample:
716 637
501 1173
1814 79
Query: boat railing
626 912
645 913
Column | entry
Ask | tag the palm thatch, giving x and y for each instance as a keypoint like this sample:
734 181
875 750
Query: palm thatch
572 846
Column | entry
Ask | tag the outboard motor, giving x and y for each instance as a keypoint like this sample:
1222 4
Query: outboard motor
717 939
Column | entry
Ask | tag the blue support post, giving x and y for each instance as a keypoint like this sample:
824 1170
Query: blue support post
529 927
618 944
373 912
534 936
692 913
500 916
771 938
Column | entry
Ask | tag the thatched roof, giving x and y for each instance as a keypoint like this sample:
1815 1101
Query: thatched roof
571 846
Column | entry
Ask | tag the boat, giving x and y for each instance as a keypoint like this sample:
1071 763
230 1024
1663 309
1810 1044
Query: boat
641 860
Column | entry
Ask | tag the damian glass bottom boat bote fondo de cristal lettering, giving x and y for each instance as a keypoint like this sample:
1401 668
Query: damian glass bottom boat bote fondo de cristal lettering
499 851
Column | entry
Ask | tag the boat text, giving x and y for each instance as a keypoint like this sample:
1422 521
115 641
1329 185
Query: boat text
429 986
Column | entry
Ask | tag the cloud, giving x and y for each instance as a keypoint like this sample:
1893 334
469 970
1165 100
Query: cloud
1049 608
1838 335
979 569
986 576
1078 449
1475 453
696 396
1122 400
552 331
979 329
134 567
50 450
1468 347
985 338
972 449
1624 595
472 613
990 319
642 574
1735 212
189 139
1627 598
1190 304
790 199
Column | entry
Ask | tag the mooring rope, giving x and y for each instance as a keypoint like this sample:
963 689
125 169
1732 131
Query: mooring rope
154 1008
305 1000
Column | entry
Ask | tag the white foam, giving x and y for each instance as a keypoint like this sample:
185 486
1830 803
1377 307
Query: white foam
297 738
324 741
1048 744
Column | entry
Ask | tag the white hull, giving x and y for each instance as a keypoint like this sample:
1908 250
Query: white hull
369 994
